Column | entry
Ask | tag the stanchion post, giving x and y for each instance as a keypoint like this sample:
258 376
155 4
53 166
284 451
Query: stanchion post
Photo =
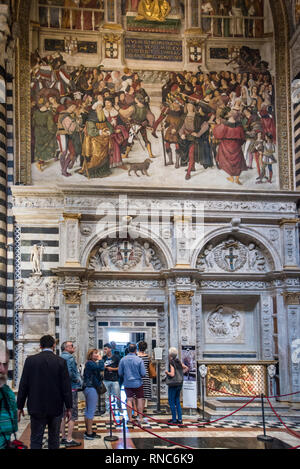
111 437
264 437
124 434
158 387
203 373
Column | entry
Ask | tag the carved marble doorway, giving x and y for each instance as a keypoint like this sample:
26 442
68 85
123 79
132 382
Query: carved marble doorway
147 319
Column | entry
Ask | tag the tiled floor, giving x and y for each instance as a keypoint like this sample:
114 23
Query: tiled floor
158 434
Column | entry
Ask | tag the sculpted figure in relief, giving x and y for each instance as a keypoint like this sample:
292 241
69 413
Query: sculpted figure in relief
36 257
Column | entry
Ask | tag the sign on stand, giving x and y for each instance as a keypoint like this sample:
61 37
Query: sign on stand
188 358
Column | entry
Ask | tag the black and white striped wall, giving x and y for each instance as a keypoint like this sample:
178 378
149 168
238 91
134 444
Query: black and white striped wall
296 118
3 214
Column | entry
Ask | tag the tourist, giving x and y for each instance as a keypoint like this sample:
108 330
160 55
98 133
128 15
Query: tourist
133 370
46 385
111 377
68 350
92 380
8 406
142 347
174 381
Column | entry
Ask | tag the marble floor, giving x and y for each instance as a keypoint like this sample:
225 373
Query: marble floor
157 434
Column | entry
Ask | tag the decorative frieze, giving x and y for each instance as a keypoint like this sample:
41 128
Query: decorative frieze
133 203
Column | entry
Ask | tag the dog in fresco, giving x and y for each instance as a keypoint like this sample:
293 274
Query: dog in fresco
142 167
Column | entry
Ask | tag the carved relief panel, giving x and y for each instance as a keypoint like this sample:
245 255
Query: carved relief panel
126 255
233 255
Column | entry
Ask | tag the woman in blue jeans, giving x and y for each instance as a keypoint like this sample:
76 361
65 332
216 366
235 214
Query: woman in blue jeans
174 382
92 379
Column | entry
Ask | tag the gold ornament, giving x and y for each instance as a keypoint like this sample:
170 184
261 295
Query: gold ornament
153 10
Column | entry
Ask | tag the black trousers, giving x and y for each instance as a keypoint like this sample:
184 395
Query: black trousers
38 425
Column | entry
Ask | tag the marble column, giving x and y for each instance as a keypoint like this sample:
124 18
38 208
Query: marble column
70 239
186 318
292 302
73 315
290 243
266 321
183 236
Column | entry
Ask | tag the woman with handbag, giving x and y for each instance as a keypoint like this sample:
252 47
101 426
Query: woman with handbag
174 381
142 347
92 384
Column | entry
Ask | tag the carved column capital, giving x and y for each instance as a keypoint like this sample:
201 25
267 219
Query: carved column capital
184 297
72 297
291 298
72 216
289 221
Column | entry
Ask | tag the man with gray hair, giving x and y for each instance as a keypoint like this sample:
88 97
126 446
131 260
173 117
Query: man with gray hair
8 406
68 350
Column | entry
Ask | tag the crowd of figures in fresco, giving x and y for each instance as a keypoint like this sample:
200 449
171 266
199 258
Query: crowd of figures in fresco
95 118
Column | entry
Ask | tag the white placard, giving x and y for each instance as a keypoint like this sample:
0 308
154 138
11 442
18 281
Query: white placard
190 394
158 353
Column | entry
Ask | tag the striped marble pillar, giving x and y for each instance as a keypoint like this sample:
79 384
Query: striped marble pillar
296 114
4 14
3 232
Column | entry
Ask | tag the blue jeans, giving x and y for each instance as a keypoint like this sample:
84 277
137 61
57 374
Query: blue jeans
91 398
113 389
174 401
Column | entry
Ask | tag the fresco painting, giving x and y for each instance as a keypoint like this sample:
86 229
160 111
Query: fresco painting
199 128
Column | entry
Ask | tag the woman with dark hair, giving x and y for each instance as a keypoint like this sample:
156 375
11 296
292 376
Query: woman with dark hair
92 380
142 347
174 382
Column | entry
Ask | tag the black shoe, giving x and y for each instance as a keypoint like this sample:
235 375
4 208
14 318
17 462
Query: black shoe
63 441
172 422
179 422
72 443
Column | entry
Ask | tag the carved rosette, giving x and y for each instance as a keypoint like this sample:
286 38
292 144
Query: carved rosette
72 297
184 297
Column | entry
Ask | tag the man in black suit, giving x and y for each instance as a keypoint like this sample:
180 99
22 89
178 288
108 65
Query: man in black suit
46 385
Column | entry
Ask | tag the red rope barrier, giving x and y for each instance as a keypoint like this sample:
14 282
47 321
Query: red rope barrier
162 438
295 447
280 420
191 424
113 415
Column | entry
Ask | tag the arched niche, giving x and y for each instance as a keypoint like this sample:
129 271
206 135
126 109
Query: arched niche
245 251
140 251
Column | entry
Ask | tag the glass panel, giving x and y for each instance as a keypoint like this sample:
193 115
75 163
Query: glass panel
119 337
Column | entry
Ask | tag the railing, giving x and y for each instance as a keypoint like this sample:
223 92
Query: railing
71 18
231 26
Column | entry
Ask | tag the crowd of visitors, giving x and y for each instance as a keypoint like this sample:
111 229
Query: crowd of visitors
50 384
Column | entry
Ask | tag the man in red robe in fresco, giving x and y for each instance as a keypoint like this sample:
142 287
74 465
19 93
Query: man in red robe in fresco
230 155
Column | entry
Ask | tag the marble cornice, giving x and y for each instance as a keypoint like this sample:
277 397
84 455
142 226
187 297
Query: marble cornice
168 192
